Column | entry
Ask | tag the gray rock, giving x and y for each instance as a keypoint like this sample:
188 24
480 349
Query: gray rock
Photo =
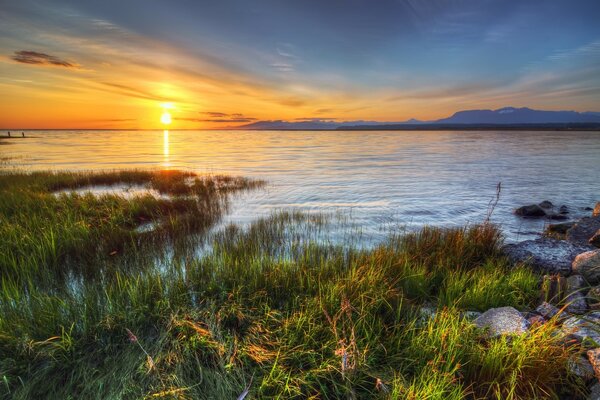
545 254
425 315
576 303
536 320
588 265
595 240
547 310
563 209
532 210
575 282
546 204
582 328
596 212
583 230
594 392
581 367
558 217
593 295
561 228
502 321
471 315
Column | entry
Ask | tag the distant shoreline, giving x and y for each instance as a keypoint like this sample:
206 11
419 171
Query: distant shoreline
392 127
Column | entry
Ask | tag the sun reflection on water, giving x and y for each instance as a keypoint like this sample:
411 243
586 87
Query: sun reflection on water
166 162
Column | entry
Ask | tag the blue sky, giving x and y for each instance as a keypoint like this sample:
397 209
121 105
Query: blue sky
385 60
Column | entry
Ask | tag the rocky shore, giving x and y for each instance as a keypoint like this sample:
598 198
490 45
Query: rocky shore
568 257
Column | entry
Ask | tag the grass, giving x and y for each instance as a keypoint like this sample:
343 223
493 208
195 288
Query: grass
92 308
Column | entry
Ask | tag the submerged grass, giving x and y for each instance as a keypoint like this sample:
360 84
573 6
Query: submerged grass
91 308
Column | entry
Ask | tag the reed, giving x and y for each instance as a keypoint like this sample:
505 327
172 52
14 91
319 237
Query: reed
271 308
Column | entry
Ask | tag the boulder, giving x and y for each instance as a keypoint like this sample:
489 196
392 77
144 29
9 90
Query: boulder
594 358
581 367
560 228
593 295
532 210
546 204
595 240
547 310
545 254
588 265
583 328
558 217
575 283
502 321
471 315
596 212
536 320
594 392
576 303
563 209
583 230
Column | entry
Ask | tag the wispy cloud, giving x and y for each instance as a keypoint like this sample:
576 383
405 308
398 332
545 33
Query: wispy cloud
219 117
36 58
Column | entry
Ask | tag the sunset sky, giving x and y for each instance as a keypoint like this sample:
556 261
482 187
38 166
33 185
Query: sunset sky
116 64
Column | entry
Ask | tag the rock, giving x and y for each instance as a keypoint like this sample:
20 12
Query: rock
583 230
594 392
536 320
576 303
588 265
545 254
547 310
593 295
502 321
471 315
563 209
583 328
595 240
560 228
546 204
558 217
596 212
581 367
425 315
575 282
532 210
594 358
553 288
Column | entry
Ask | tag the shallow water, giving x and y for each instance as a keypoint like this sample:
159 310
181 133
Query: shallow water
381 180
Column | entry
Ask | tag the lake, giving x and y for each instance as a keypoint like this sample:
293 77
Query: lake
379 179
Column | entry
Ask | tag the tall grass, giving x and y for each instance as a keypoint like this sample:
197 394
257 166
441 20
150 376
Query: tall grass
90 308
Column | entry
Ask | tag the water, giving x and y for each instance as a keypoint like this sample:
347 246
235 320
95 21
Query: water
380 179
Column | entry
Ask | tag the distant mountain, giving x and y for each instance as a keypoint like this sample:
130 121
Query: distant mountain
518 118
511 115
315 124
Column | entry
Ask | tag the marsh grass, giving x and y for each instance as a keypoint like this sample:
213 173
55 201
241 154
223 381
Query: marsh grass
89 308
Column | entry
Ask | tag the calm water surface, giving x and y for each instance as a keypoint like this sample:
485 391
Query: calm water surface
380 179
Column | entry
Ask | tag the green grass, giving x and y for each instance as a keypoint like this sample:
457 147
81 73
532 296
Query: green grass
273 306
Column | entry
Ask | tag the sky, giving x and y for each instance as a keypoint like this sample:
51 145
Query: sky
215 64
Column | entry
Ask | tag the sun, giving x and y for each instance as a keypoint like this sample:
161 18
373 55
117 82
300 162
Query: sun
165 118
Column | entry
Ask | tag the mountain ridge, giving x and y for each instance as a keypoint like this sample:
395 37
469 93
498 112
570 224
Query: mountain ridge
509 116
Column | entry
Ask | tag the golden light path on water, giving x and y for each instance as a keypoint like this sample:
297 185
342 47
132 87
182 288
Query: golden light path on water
166 162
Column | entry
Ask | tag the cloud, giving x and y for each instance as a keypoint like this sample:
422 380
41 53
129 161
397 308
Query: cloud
218 120
131 91
320 119
283 67
220 117
35 58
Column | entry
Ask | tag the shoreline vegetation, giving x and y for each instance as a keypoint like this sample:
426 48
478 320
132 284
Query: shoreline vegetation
92 306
